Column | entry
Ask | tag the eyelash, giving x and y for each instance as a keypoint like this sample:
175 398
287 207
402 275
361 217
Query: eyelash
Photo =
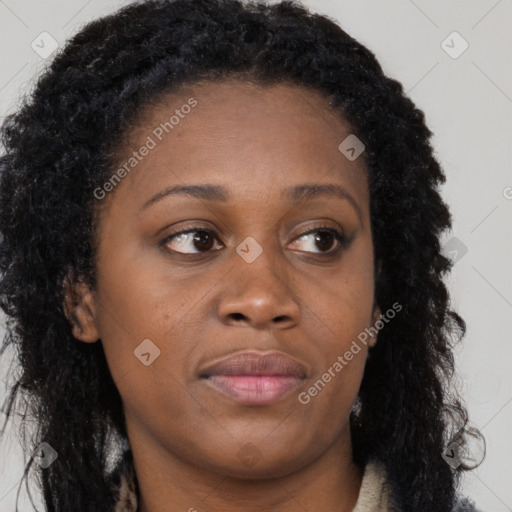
339 236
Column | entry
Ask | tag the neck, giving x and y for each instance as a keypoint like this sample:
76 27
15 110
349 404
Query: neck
329 483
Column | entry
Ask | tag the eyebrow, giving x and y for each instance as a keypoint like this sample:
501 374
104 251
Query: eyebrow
221 194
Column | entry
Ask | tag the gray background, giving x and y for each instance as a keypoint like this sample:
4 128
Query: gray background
467 101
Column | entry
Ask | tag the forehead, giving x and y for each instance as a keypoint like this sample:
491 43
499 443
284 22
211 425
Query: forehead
254 139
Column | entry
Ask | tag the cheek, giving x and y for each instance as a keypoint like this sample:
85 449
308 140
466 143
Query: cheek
341 306
339 356
143 312
339 313
145 298
139 296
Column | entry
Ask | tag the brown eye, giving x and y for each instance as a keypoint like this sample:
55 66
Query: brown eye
324 239
203 240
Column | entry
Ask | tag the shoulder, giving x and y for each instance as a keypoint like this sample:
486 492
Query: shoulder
377 493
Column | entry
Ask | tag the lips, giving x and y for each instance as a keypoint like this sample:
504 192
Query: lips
254 378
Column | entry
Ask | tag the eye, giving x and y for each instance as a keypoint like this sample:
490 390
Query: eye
324 238
197 238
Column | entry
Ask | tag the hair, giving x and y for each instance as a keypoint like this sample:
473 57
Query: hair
58 148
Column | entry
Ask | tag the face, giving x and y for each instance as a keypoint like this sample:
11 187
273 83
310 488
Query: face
254 261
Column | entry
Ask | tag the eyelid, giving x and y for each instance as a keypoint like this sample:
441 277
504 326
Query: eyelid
317 227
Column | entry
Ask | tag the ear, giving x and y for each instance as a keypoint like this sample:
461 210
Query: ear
80 309
375 316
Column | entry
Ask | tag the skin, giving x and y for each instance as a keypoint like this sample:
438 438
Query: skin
187 439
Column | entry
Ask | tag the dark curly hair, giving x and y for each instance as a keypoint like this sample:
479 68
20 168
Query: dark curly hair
57 151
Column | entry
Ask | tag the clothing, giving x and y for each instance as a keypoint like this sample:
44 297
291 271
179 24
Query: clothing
375 494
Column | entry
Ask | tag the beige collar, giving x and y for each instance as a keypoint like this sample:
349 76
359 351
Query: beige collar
375 492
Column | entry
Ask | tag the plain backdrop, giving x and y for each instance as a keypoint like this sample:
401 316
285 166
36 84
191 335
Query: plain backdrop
463 83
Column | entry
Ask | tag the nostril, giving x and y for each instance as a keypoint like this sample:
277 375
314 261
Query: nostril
237 316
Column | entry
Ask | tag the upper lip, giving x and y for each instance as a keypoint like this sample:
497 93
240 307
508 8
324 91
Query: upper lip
255 363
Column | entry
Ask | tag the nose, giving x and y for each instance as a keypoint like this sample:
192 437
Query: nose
259 295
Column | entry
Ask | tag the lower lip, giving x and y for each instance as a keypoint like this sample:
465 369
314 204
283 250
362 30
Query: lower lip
254 389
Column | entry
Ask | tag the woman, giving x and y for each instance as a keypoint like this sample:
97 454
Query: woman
222 271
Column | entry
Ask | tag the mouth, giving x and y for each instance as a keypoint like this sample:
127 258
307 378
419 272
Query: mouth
253 378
